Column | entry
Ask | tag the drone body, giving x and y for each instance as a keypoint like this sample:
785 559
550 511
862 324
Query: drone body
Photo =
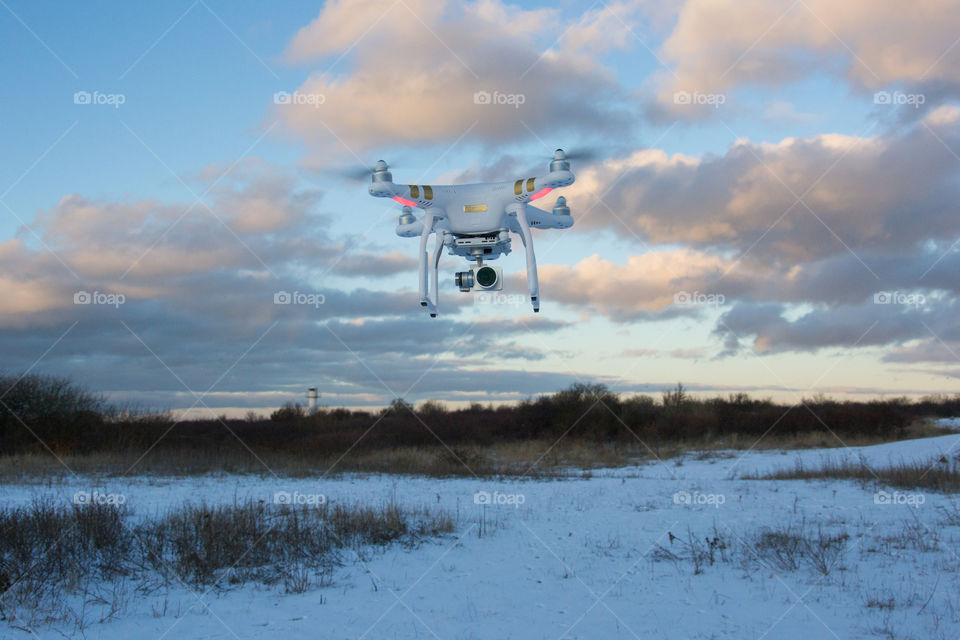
475 221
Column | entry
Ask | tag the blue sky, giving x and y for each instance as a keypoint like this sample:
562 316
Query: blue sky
794 201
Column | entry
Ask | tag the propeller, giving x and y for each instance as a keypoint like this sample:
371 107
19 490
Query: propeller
356 173
359 172
585 154
582 154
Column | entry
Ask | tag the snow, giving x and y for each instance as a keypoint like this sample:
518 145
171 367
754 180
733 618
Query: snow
571 558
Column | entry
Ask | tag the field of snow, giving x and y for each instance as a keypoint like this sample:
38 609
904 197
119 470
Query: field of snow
581 557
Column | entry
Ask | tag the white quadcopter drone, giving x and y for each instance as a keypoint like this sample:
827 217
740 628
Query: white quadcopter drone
474 221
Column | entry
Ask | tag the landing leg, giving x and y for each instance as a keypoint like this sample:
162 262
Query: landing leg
435 273
533 285
427 228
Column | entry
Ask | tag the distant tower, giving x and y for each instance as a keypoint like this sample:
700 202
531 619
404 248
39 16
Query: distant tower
312 397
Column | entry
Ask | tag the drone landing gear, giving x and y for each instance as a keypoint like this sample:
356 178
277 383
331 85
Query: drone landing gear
435 274
429 296
526 237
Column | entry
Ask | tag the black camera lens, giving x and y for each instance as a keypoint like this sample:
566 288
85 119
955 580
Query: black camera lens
486 277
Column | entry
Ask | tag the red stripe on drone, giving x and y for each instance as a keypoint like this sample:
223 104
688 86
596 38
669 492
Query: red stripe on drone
541 193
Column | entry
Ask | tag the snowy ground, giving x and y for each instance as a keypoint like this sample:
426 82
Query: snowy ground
574 558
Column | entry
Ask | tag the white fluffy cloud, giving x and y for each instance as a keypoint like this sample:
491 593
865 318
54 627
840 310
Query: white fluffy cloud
407 72
262 232
718 45
879 215
886 193
646 285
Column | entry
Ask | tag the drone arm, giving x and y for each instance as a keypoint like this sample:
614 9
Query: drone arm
520 210
548 220
399 192
555 180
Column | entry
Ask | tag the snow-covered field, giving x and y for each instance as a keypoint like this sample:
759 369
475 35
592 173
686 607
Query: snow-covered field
578 558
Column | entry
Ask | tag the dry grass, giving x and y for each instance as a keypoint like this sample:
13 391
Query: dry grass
941 474
539 457
823 439
534 458
787 547
580 428
53 557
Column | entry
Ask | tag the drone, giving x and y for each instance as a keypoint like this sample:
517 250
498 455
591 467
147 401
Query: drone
475 221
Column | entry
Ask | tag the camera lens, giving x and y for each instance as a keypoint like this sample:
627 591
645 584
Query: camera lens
486 277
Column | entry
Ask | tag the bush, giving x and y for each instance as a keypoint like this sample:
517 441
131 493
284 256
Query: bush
71 420
50 553
288 412
39 412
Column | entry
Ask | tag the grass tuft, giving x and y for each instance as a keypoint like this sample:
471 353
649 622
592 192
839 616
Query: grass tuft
51 553
940 474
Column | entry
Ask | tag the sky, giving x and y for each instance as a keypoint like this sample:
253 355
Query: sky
770 205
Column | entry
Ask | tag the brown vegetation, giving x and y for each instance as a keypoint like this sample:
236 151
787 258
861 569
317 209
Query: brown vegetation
585 426
53 554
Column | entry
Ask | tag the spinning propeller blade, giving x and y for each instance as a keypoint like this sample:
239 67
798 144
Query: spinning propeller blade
357 173
360 172
586 154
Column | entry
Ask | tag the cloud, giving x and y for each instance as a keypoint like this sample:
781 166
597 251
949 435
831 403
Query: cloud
789 202
779 111
877 218
846 326
718 46
258 232
419 73
375 264
929 350
200 305
653 285
171 352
